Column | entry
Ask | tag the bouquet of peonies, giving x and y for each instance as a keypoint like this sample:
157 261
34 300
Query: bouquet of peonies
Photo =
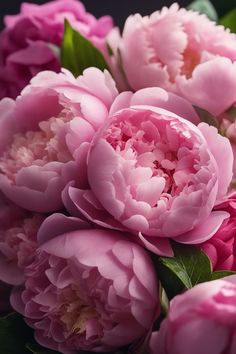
117 177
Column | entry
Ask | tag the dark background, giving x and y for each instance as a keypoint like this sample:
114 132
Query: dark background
118 9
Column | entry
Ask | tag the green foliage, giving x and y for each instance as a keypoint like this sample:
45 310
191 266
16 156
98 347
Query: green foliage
206 117
229 20
188 267
204 7
78 53
17 338
221 274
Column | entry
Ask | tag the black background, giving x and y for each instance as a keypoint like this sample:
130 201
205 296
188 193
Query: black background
118 9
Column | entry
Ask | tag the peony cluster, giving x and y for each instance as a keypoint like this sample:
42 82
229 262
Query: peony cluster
103 174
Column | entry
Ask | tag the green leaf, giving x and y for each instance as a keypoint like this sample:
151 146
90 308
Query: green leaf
109 49
221 274
188 267
206 117
77 53
14 333
204 7
229 20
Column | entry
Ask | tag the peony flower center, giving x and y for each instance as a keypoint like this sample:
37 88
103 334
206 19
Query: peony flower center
76 314
36 147
163 146
191 58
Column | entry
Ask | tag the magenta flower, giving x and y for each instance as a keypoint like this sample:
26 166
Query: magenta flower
87 289
46 134
202 320
181 51
221 248
31 40
156 169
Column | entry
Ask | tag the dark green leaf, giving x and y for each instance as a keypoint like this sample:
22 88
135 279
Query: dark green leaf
204 7
229 21
188 267
78 53
110 50
221 274
14 333
206 116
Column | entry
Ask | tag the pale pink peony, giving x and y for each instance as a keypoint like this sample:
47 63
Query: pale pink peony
181 51
46 134
221 248
30 41
87 289
18 241
202 320
160 175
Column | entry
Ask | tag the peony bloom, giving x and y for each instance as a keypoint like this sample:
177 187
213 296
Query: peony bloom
156 168
87 289
221 248
30 41
181 51
18 241
202 320
46 134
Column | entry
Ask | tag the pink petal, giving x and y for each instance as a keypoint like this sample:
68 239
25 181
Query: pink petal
205 230
212 86
221 149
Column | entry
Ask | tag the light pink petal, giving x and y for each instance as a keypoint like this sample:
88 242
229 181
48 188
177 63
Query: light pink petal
212 86
100 84
34 200
158 245
123 100
58 224
205 230
158 97
221 149
39 106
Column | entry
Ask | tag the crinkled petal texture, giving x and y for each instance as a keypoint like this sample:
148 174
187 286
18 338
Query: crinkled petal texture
181 51
221 248
30 41
160 174
18 240
88 290
202 320
51 126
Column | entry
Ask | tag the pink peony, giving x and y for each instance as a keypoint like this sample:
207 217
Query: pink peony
221 248
88 289
18 241
202 320
31 40
156 168
181 51
46 134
